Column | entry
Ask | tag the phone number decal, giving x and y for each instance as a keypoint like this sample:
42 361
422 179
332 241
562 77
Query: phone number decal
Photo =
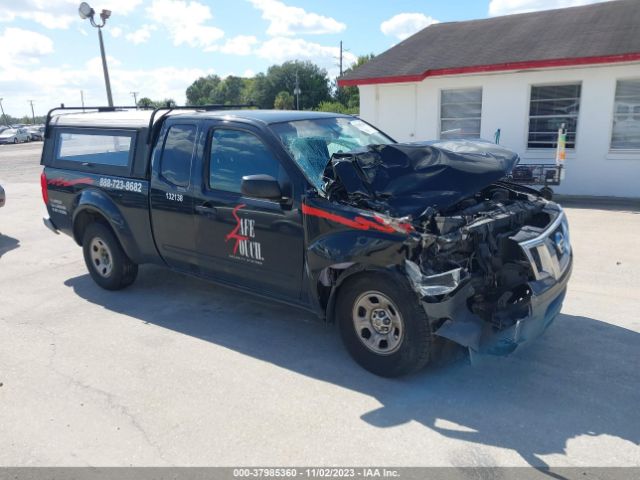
118 184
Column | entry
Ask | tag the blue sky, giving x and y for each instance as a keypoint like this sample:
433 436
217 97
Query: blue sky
158 47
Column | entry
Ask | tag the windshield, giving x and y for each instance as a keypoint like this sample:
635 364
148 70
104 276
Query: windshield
312 142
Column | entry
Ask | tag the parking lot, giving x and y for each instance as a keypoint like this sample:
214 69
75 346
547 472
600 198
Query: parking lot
176 371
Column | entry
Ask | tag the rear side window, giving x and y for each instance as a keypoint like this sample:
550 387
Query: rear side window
234 154
175 165
96 148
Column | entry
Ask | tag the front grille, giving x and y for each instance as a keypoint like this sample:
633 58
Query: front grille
550 252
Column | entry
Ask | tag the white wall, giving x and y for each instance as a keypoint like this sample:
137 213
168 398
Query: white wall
410 112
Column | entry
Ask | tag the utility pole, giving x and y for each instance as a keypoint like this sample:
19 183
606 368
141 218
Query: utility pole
135 97
340 57
297 92
82 99
33 115
3 115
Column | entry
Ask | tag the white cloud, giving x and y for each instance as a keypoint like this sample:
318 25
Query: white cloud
185 22
281 49
141 35
50 86
115 31
239 45
506 7
59 14
287 21
404 25
26 47
248 73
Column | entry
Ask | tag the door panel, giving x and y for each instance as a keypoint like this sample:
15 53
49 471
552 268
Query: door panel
246 241
171 197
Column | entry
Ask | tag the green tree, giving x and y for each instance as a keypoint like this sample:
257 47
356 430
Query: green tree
313 82
283 101
336 107
203 90
146 102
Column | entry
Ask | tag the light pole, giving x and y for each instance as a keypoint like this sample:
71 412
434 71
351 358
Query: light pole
135 97
3 115
86 11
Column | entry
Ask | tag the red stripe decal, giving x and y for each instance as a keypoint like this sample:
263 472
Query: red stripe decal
359 223
528 65
59 182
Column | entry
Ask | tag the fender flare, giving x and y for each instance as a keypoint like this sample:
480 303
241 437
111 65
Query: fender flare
352 271
96 202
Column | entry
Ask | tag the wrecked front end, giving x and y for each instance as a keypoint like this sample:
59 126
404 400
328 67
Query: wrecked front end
488 260
495 278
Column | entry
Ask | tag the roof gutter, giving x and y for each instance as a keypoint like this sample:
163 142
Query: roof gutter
527 65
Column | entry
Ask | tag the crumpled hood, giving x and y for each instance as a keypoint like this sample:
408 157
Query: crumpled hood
409 177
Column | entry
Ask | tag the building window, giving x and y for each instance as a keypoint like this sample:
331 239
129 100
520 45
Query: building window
549 108
460 113
626 116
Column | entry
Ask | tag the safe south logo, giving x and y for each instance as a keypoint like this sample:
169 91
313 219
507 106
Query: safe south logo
244 234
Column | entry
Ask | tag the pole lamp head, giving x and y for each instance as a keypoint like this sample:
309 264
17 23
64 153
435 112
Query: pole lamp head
85 10
104 15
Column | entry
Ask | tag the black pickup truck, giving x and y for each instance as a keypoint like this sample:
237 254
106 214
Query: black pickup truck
405 246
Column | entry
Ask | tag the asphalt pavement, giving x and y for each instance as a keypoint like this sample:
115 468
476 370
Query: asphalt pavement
177 371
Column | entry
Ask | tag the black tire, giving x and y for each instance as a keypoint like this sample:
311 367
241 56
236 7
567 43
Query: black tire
113 270
413 350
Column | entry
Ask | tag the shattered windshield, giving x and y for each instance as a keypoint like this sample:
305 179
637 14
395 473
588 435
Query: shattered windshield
312 142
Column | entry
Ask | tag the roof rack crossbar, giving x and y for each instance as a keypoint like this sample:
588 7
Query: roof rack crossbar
168 109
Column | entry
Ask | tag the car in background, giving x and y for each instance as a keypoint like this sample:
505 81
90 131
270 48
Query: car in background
3 128
35 132
2 196
15 135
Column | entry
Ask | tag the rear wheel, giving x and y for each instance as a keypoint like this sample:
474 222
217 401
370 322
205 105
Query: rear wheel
383 326
107 263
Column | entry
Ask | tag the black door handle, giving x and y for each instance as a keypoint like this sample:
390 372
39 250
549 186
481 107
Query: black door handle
205 209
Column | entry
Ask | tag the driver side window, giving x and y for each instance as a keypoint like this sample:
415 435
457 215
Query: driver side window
235 154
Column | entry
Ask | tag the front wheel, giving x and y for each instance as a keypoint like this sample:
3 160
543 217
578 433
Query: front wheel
382 325
107 263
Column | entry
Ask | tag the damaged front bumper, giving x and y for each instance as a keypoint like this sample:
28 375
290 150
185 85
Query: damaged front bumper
549 252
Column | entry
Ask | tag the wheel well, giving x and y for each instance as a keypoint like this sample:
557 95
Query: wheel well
329 294
86 218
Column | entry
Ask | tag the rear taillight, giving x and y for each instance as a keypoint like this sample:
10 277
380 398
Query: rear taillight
45 192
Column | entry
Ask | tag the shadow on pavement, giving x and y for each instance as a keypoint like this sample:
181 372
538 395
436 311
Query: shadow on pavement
580 378
7 244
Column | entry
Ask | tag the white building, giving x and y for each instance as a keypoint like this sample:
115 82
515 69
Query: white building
524 75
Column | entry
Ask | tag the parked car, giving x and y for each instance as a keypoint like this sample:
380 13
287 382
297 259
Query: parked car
2 196
35 133
405 246
14 135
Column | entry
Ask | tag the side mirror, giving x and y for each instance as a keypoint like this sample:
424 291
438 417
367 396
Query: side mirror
261 186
